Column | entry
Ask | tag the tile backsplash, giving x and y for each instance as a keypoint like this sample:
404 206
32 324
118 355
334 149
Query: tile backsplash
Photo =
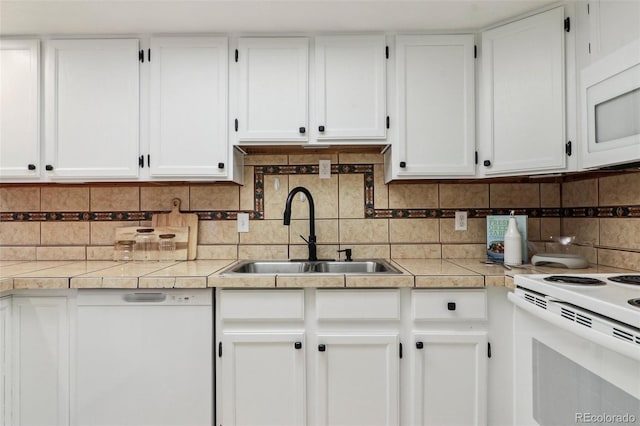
354 208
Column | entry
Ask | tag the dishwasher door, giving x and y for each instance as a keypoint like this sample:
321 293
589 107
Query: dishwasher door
143 357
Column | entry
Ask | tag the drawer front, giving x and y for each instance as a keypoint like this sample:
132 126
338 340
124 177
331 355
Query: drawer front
358 304
449 305
251 305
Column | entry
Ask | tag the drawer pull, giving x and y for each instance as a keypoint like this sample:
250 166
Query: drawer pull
297 345
419 345
322 348
451 306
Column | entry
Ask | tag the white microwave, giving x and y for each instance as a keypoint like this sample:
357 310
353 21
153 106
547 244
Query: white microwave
610 104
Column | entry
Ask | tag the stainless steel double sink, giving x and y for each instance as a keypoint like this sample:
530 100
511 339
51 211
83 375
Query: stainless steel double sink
281 267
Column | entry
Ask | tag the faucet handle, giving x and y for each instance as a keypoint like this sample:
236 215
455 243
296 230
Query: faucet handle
347 253
304 239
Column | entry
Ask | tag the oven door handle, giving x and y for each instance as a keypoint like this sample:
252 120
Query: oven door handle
631 350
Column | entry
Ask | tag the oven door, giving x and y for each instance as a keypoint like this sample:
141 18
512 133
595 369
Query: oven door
610 91
563 378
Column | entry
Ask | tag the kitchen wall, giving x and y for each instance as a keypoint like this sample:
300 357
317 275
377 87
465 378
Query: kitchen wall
354 209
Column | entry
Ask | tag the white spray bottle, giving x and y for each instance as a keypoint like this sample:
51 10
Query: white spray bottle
512 243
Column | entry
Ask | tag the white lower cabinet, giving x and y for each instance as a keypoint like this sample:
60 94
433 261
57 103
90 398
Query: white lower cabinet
341 357
357 379
449 378
5 361
40 361
447 356
262 378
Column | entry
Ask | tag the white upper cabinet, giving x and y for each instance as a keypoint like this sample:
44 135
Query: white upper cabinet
92 108
273 76
523 96
612 25
188 108
19 109
350 82
435 104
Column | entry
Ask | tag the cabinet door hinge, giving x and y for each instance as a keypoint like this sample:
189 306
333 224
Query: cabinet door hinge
475 50
400 350
236 55
476 157
489 349
220 350
386 52
568 149
141 55
141 161
567 24
388 122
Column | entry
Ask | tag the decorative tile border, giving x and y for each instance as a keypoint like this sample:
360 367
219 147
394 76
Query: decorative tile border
370 211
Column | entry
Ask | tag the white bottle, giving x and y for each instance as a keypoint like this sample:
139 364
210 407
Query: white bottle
512 243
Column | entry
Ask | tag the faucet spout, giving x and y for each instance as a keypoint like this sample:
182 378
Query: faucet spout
311 242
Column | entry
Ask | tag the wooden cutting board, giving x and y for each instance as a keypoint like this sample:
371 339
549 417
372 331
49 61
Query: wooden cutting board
181 236
175 218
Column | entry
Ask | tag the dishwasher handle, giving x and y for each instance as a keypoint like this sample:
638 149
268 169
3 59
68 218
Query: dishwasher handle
144 297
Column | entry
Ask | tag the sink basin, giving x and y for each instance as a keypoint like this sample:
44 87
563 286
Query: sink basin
375 266
267 267
355 267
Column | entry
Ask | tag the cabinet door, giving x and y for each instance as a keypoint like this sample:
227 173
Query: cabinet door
40 361
523 103
612 24
91 108
5 361
357 379
350 87
19 108
189 106
449 379
436 114
273 89
262 378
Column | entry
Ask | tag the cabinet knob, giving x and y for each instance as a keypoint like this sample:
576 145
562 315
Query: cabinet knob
451 306
487 163
403 164
221 165
322 348
419 345
302 130
321 128
48 167
297 345
31 167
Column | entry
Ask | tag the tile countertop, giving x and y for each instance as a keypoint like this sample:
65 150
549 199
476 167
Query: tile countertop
434 273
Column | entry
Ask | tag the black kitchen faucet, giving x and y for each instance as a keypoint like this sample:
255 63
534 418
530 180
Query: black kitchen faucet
311 242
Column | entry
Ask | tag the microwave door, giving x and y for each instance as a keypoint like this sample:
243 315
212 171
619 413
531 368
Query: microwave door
618 119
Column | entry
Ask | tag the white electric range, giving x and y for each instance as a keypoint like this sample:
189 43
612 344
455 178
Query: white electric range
577 349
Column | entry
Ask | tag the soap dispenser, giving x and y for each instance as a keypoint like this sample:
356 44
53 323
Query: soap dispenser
512 243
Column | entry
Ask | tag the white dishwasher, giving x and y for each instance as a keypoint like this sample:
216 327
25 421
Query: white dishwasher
143 357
